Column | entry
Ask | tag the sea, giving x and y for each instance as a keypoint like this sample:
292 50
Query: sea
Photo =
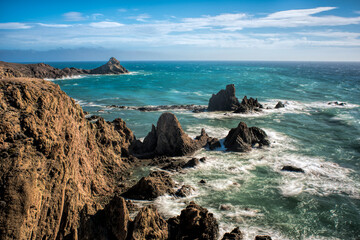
249 190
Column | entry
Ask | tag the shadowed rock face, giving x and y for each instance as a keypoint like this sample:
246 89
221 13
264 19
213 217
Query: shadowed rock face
194 222
248 105
42 70
168 139
235 234
224 100
54 162
242 138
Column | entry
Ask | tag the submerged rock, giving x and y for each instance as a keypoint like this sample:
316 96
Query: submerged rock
242 138
168 139
292 169
184 191
279 105
224 100
262 237
148 188
235 234
194 222
214 143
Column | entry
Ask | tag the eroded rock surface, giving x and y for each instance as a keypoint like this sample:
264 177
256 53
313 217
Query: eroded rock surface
42 70
249 105
235 234
224 100
242 138
54 162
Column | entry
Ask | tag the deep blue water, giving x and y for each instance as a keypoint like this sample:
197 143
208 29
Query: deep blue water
323 139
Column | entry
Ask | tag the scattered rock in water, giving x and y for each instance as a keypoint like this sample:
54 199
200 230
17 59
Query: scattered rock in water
337 103
194 222
148 224
280 105
111 67
226 207
248 105
148 188
93 118
191 107
214 143
179 164
224 100
168 139
203 159
202 181
235 234
184 191
263 237
242 138
292 169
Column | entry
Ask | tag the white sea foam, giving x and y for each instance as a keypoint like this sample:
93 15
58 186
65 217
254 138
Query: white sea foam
83 103
66 78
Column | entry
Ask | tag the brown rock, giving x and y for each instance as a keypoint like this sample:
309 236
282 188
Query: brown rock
235 234
242 138
248 105
42 70
195 222
168 139
224 100
184 191
262 237
54 162
148 224
148 188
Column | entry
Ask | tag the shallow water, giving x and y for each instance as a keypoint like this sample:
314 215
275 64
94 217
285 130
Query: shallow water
323 139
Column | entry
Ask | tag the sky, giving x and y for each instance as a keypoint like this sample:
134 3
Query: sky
256 30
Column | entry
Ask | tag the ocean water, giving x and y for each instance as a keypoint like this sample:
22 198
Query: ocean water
321 138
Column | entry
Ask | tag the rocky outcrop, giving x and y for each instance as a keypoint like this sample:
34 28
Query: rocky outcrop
279 105
194 222
148 224
262 237
242 138
150 187
248 105
54 162
111 67
224 100
235 234
42 70
168 139
184 191
292 169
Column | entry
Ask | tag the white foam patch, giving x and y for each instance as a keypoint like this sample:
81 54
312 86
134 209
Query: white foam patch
66 78
83 103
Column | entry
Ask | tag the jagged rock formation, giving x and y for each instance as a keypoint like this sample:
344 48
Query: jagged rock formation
235 234
224 100
168 139
54 162
242 138
248 105
194 222
279 105
42 70
184 191
111 67
148 188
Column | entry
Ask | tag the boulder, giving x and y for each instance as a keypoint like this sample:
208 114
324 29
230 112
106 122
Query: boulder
248 105
224 100
214 143
148 188
242 138
235 234
148 224
168 139
184 191
292 169
194 222
279 105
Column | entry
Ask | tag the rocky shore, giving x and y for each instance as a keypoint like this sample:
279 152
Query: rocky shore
65 177
45 71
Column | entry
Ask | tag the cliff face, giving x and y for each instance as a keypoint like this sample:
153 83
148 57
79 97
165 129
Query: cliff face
54 163
42 70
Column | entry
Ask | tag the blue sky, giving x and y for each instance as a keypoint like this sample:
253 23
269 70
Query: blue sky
308 30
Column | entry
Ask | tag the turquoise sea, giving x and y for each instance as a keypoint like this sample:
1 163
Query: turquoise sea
321 138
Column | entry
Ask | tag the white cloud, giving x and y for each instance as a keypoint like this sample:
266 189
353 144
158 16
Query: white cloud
55 25
298 13
331 34
106 24
74 16
96 16
122 10
14 25
141 17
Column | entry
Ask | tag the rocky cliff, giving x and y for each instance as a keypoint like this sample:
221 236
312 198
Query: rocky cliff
42 70
54 163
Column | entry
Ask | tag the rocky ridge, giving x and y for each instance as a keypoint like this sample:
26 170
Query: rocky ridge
42 70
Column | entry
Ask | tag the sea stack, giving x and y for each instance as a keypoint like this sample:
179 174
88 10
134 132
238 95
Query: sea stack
224 100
